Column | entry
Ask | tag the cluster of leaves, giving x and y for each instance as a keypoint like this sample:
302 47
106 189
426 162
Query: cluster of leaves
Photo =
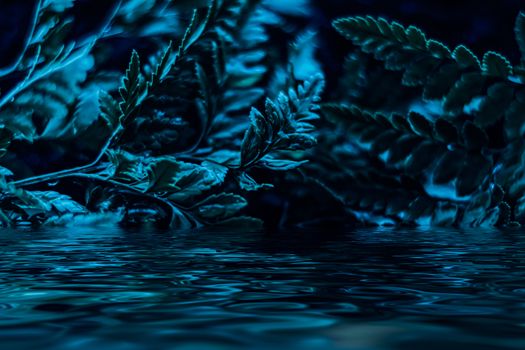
439 139
173 141
214 121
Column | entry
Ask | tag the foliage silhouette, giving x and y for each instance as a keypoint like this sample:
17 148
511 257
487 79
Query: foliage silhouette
171 144
212 119
447 148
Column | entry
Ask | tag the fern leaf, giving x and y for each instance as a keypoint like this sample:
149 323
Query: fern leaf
493 108
220 207
183 182
43 109
456 78
465 58
286 125
133 90
406 143
162 68
496 65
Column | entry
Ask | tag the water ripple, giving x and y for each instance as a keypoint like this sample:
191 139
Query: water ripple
380 289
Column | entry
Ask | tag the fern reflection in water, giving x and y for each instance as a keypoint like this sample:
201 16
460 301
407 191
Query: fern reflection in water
391 289
214 121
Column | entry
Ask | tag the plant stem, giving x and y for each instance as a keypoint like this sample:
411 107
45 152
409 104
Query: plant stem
69 172
30 34
58 63
166 202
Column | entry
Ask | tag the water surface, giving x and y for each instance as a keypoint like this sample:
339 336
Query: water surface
375 289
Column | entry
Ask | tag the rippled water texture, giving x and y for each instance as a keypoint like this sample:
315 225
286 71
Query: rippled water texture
371 289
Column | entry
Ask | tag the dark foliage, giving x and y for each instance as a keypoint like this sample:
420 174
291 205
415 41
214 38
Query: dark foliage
190 113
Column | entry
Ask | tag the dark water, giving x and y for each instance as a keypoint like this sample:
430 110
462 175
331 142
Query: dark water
371 289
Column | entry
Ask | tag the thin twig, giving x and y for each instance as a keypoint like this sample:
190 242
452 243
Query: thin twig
46 71
69 172
14 66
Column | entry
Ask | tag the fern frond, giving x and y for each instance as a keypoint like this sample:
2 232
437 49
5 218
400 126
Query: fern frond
485 90
133 90
409 50
406 143
43 109
286 124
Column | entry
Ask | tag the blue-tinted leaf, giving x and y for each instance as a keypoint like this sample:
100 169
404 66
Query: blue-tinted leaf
182 181
281 164
247 183
221 206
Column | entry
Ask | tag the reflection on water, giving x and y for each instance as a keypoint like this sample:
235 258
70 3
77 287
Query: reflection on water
370 289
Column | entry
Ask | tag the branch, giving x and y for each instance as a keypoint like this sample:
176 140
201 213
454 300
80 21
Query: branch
14 66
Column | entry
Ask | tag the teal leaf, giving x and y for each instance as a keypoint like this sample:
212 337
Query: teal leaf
163 67
384 141
496 65
127 167
445 131
416 37
466 58
422 157
133 90
221 206
4 172
417 73
61 203
448 167
281 164
464 90
493 107
438 49
400 122
42 110
475 138
182 181
109 110
440 82
46 204
57 5
470 178
402 148
247 183
420 124
303 55
257 139
286 124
